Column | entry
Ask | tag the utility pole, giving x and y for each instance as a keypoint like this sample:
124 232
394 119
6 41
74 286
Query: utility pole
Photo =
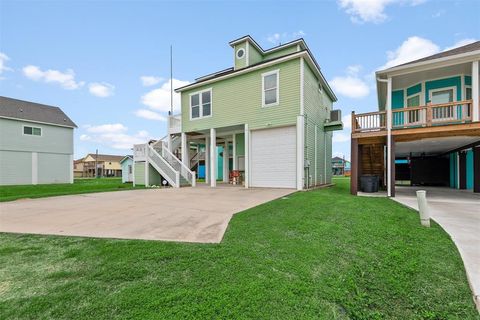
171 80
96 163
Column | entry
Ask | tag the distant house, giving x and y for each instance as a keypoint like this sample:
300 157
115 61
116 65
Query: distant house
36 143
340 167
127 168
107 166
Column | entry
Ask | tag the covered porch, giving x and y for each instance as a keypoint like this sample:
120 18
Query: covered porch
218 155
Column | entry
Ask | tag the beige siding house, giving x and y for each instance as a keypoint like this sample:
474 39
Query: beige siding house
269 118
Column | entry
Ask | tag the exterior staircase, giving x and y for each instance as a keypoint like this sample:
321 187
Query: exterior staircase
165 162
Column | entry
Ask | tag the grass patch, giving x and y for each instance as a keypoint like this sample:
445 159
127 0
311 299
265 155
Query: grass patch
320 254
9 193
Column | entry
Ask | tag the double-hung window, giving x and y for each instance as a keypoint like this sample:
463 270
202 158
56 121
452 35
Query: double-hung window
270 86
201 104
32 131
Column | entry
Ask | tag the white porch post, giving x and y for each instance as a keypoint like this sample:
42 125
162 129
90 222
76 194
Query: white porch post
300 152
234 151
247 156
226 162
389 135
185 150
475 92
133 170
147 167
213 157
207 160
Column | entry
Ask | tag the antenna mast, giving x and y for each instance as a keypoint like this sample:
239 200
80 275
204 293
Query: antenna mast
171 81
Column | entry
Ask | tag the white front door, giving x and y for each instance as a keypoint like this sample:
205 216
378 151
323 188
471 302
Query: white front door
273 158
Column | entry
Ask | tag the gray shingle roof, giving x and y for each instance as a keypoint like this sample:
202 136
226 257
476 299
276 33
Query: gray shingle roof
25 110
463 49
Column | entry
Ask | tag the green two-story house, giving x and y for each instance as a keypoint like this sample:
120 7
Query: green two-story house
270 114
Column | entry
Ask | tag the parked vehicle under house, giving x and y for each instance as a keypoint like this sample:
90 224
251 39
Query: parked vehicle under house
271 115
427 129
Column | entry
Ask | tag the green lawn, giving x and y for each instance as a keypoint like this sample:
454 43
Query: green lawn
8 193
321 254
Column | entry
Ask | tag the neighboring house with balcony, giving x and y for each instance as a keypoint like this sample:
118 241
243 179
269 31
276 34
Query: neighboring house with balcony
36 143
107 166
270 113
340 166
427 128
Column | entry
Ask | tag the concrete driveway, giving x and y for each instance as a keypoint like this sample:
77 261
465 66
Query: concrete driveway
458 212
199 214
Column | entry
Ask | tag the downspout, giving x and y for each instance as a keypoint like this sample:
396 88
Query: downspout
388 108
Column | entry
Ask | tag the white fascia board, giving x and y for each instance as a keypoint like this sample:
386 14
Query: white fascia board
430 64
41 122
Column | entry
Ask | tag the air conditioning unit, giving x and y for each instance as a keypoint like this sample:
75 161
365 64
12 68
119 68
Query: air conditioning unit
335 115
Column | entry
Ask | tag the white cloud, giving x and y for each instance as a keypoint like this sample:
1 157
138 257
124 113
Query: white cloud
65 79
107 128
460 43
102 89
114 136
85 137
351 85
277 38
416 48
411 49
148 81
347 121
339 137
149 114
3 63
361 11
159 99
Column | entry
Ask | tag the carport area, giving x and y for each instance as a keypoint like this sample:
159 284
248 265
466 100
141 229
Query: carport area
199 214
458 212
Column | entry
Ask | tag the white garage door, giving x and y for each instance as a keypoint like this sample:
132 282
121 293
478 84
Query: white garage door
273 158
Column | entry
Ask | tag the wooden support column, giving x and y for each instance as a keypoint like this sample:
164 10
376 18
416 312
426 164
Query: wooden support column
476 169
354 166
475 91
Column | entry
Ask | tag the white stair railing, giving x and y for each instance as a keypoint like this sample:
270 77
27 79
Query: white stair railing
178 165
163 167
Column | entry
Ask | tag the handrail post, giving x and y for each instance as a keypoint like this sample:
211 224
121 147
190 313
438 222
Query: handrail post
177 179
429 115
194 179
354 127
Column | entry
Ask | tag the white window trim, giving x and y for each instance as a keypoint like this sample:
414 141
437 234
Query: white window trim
32 135
277 72
432 91
413 96
200 112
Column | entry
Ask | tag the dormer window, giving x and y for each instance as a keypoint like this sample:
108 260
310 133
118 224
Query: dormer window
240 53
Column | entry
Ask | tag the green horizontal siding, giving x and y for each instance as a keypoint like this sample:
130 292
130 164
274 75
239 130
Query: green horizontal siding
317 106
238 100
140 173
15 167
254 56
240 63
53 168
281 52
54 139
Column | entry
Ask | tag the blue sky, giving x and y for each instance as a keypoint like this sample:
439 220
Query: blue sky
89 57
